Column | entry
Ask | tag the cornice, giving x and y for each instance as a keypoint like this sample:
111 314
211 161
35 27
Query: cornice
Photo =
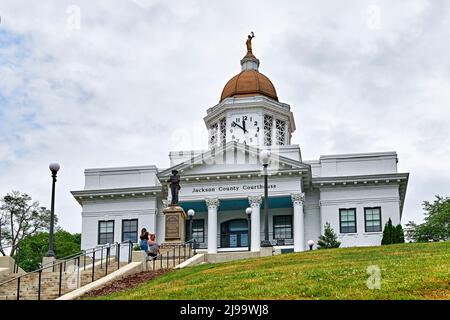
360 179
116 193
248 101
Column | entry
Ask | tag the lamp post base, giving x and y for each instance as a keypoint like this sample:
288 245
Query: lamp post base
47 261
266 243
266 251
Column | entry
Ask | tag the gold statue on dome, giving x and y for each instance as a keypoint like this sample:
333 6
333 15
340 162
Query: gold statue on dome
249 43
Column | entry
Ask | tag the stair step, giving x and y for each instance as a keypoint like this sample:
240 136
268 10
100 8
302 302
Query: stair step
50 280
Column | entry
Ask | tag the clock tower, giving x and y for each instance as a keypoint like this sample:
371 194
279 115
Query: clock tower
249 111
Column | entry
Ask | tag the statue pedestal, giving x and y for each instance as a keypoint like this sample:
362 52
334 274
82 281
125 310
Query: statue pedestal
174 218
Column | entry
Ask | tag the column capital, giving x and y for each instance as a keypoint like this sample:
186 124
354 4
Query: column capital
255 201
298 198
212 202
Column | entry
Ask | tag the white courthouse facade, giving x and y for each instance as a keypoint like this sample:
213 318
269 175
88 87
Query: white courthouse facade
355 193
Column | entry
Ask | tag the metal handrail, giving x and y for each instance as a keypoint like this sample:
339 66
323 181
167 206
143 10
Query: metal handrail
63 262
75 255
165 256
54 263
194 244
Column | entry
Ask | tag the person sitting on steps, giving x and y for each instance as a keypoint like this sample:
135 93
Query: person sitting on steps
153 246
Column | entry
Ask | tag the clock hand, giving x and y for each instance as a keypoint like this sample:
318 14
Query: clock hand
243 123
237 125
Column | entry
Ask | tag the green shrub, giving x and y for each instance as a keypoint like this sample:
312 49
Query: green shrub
328 239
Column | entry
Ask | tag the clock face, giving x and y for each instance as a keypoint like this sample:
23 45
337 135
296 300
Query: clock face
245 128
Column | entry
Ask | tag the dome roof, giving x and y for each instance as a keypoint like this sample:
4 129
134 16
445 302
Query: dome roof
249 83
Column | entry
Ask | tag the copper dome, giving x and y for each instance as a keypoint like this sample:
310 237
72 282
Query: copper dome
249 83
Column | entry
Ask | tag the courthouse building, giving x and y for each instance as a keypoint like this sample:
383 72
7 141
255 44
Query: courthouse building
355 193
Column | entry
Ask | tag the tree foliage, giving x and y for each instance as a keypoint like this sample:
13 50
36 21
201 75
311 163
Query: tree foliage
388 233
328 239
392 234
436 226
34 247
399 234
20 217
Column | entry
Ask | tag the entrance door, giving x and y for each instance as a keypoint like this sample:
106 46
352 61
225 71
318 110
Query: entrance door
234 234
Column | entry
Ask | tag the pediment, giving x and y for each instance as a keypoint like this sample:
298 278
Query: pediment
234 158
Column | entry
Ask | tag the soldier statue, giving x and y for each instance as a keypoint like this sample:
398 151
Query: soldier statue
174 181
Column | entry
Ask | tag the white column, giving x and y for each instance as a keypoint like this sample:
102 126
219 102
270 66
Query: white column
255 204
212 204
299 225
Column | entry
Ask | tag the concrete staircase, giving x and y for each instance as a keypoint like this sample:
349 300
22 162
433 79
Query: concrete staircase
29 284
56 283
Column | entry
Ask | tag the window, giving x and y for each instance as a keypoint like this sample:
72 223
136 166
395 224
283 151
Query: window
234 233
268 122
213 135
106 232
372 218
198 230
223 131
281 131
347 220
282 227
130 230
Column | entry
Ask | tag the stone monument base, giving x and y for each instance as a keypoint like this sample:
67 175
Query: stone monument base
174 218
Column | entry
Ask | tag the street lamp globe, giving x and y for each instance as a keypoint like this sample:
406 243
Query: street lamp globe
310 244
265 156
248 211
54 167
191 212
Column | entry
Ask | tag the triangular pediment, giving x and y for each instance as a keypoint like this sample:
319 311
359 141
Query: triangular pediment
234 159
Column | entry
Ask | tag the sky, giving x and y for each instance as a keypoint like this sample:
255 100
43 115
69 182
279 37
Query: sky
97 84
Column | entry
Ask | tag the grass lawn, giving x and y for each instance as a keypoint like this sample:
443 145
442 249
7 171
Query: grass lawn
408 271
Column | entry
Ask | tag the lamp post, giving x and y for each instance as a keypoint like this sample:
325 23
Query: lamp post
265 159
54 168
191 214
248 212
310 244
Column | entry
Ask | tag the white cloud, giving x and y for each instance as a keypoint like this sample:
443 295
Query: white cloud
102 95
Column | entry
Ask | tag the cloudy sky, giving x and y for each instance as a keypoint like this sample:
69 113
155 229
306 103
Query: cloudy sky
94 83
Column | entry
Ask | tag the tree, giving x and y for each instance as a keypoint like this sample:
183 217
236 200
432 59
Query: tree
436 226
399 234
328 239
388 233
2 227
34 247
392 234
19 218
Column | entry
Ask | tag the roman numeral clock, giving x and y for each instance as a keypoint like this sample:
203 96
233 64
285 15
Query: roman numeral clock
244 128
